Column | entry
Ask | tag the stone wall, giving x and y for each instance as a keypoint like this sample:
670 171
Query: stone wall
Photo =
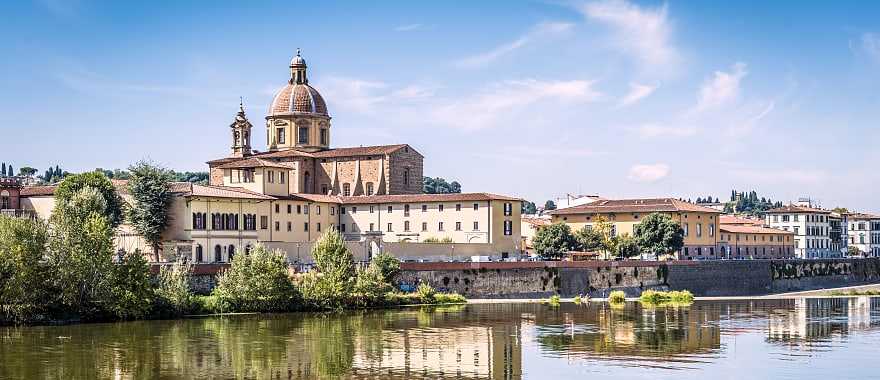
703 278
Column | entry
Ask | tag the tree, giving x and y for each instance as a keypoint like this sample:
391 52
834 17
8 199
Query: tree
2 169
659 234
386 265
25 288
841 210
330 288
257 282
554 241
549 205
853 251
588 239
9 171
528 208
26 171
73 184
440 186
607 233
151 195
627 246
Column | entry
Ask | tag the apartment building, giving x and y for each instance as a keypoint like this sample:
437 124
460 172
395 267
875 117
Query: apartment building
811 228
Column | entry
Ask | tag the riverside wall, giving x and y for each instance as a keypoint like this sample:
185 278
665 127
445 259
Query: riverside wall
598 278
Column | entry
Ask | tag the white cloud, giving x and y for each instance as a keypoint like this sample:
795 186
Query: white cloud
539 31
722 88
409 28
636 93
508 99
651 130
871 46
354 94
643 33
648 173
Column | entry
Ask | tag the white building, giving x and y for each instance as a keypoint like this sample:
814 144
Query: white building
863 232
811 227
571 200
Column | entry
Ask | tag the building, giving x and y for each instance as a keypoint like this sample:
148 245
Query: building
529 226
746 238
10 198
811 228
838 232
287 196
699 223
864 233
571 200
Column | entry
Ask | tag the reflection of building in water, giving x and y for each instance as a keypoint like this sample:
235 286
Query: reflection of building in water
484 352
816 319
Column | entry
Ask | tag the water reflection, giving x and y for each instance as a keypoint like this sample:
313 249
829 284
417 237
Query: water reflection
494 341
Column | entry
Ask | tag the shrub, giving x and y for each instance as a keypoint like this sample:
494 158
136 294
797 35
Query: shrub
256 282
332 257
131 294
369 287
659 297
426 292
449 298
554 300
578 300
25 289
173 294
387 265
617 296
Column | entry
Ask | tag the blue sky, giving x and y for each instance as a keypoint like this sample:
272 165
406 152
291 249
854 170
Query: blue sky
533 99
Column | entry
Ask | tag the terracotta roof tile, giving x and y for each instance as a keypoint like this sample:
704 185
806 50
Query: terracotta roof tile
254 162
36 191
226 192
861 216
417 198
739 229
733 219
635 205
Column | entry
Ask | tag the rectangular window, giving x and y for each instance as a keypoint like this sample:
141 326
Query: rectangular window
281 177
264 222
685 226
277 208
476 226
354 210
424 208
390 209
508 209
476 206
424 226
306 209
458 226
389 227
289 209
342 227
332 210
234 176
440 208
699 229
306 226
280 136
440 226
458 207
405 210
372 227
317 210
406 226
271 176
342 210
318 227
508 228
371 209
323 136
303 135
277 226
712 229
289 226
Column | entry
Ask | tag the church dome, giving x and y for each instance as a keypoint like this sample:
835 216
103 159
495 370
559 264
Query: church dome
298 96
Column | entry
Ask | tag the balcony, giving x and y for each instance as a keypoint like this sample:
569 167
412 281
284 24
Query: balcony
19 213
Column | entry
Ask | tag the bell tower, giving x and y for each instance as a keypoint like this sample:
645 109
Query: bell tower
241 133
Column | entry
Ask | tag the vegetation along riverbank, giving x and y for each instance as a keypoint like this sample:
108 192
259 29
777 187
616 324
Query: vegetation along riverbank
66 269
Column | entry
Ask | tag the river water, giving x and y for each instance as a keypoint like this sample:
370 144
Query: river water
836 338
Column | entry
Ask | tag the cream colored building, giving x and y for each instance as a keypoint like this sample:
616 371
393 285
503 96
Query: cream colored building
287 197
700 224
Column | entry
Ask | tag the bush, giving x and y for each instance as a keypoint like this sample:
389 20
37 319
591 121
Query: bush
554 300
660 297
131 294
332 257
369 287
25 289
617 296
173 294
387 265
426 292
449 298
256 282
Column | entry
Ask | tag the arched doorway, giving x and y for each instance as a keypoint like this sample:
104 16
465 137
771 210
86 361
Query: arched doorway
199 254
218 253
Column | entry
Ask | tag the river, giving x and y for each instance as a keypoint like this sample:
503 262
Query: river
808 338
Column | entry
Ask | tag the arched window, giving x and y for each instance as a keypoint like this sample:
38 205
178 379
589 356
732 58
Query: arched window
307 183
4 200
231 252
199 254
218 254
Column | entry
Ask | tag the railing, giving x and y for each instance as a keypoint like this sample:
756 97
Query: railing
18 213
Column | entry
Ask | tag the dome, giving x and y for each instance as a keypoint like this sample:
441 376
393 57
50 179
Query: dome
299 98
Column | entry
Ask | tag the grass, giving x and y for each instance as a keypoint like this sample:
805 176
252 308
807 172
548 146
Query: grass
554 301
654 297
617 296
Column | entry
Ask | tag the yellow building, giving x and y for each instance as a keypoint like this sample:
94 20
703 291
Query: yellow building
286 197
699 223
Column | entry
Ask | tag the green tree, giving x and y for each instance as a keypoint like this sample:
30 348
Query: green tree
659 234
387 266
72 184
26 171
853 251
257 282
627 246
549 205
173 293
9 171
588 239
554 241
439 185
151 195
528 208
841 210
25 287
330 288
131 292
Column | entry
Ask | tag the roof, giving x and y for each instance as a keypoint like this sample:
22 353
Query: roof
298 98
733 219
537 222
738 229
120 185
419 198
634 205
36 191
225 192
792 209
254 162
375 150
861 216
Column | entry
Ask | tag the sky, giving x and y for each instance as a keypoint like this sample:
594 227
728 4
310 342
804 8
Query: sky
534 99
